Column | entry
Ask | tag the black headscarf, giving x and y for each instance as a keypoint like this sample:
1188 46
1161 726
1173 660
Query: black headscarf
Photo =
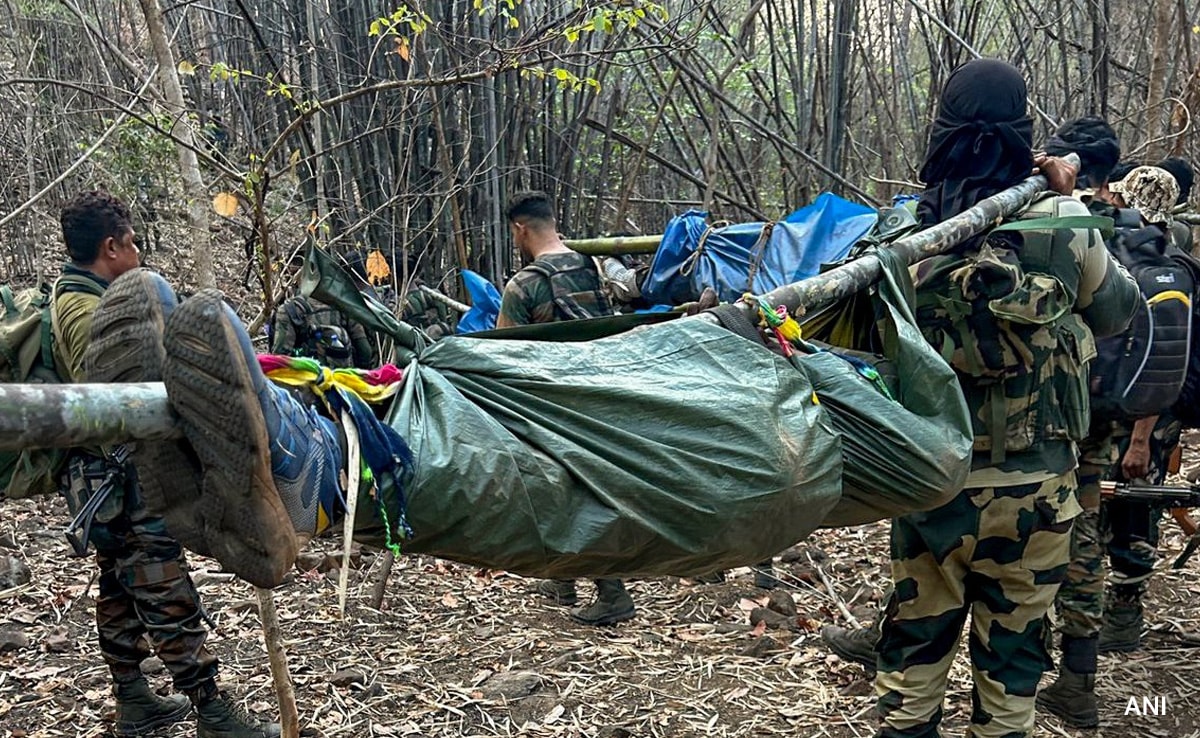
981 140
1184 176
1096 143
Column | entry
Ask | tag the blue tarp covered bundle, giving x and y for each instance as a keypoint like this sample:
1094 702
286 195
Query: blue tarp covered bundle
752 257
485 304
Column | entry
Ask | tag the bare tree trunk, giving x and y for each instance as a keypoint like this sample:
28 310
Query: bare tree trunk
1158 78
189 166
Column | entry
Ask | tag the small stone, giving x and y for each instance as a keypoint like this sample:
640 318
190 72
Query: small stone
58 643
13 572
773 619
153 665
859 688
375 690
12 640
8 539
761 647
346 677
792 555
781 602
511 685
613 731
31 523
531 709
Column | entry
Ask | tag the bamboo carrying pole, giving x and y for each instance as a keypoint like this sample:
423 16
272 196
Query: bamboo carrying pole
614 246
59 416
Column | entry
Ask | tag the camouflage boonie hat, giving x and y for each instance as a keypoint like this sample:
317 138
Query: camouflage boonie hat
1150 190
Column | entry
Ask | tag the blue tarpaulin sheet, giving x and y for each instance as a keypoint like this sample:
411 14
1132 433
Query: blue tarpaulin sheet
692 256
485 304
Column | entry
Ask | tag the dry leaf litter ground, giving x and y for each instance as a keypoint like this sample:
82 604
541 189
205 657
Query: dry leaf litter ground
456 651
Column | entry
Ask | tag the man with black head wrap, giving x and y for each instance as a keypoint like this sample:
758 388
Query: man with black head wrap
1095 141
1015 314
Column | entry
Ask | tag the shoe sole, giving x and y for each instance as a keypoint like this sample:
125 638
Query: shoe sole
608 619
1064 716
141 729
210 386
127 346
1120 647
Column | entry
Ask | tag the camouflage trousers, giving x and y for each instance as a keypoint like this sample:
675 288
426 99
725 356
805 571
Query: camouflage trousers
1080 601
1130 529
995 555
147 602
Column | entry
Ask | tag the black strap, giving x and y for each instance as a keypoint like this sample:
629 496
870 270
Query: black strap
734 320
1143 236
1127 218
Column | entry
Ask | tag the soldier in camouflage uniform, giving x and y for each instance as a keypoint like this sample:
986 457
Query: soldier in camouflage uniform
1144 446
1130 531
1080 600
147 599
1015 315
305 326
558 284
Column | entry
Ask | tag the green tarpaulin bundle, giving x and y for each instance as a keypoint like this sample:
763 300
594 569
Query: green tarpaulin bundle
676 448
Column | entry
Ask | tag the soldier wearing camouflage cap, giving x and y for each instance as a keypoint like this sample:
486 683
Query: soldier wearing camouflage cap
1150 190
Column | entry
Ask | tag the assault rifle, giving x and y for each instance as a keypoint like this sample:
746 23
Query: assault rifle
1178 498
80 527
1165 495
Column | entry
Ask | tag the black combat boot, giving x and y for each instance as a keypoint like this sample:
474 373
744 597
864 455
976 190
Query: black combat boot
218 716
1072 697
1123 622
858 646
613 605
141 712
561 591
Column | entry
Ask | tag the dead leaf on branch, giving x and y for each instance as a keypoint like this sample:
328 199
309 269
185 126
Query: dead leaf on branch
225 204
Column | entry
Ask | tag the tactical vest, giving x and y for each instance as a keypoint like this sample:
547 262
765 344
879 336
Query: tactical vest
1001 313
431 316
320 333
577 290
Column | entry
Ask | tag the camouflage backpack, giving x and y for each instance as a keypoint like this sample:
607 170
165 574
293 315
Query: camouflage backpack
1000 314
320 333
27 356
578 291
